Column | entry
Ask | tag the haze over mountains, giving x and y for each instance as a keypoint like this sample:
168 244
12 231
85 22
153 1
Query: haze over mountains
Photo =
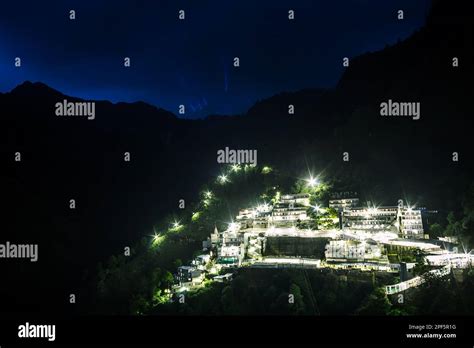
118 202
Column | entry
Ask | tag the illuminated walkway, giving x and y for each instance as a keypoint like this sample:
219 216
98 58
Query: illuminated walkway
396 288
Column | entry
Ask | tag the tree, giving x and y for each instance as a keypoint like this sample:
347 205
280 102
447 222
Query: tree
227 300
454 227
436 230
436 296
177 263
167 280
297 306
376 304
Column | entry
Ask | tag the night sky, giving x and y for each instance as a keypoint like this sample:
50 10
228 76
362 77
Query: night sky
191 62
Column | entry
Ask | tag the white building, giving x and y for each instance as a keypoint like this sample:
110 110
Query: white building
287 214
230 255
364 218
343 203
247 214
189 275
201 261
296 199
230 247
410 223
449 239
406 222
257 217
223 278
455 260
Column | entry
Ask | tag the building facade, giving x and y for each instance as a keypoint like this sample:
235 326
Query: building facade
344 203
406 222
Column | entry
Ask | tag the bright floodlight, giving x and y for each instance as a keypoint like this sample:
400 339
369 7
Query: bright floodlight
233 226
223 179
318 209
176 224
156 238
235 168
208 194
312 182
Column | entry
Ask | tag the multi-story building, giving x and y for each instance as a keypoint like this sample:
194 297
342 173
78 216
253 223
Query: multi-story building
201 261
287 214
405 221
290 209
456 260
255 217
230 255
382 218
230 247
344 203
410 223
296 199
188 275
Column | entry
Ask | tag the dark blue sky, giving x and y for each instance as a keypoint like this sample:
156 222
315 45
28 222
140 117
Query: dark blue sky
190 62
